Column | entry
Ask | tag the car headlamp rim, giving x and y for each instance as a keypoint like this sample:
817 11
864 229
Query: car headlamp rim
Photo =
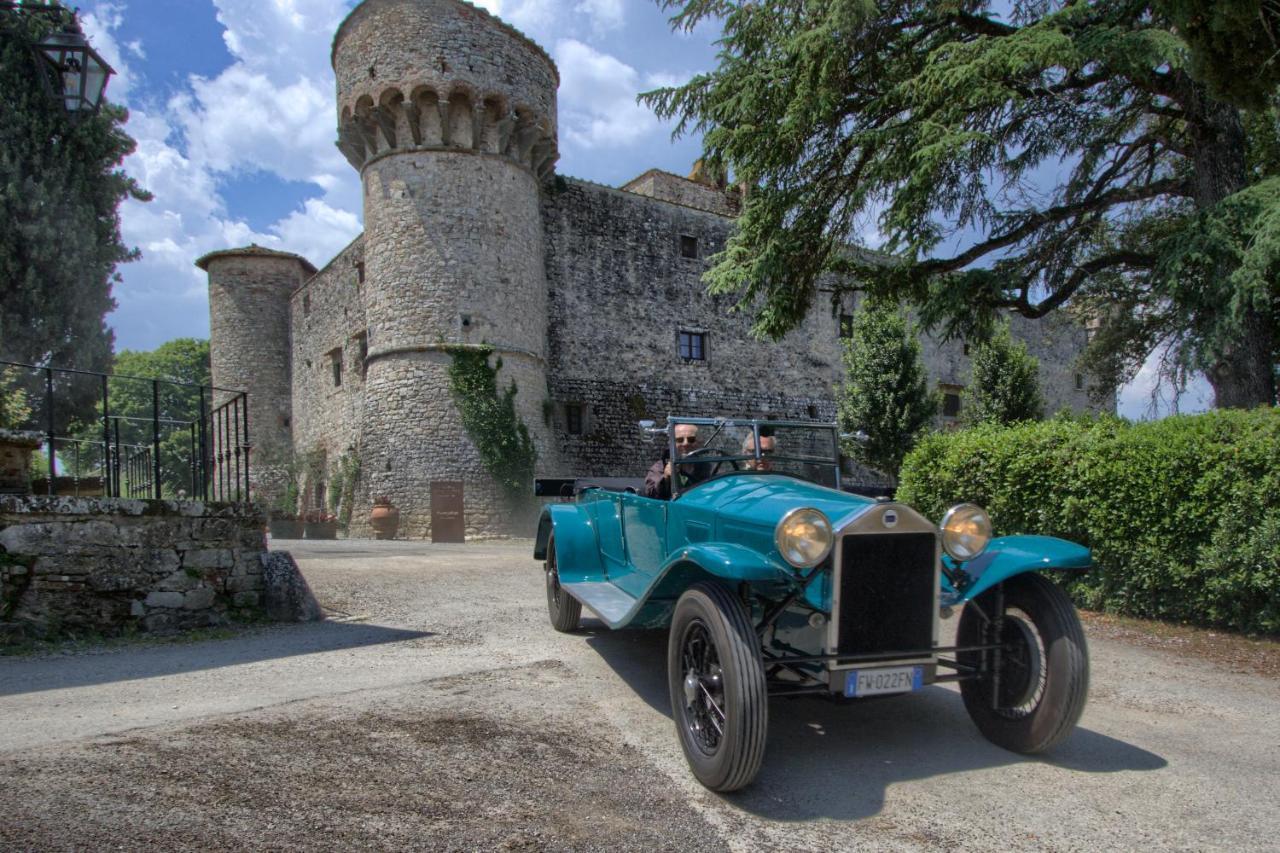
792 549
964 545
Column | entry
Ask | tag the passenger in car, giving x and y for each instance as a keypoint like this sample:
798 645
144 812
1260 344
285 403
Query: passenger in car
768 446
657 483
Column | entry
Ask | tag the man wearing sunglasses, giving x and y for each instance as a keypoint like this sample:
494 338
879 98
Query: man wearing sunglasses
768 444
657 483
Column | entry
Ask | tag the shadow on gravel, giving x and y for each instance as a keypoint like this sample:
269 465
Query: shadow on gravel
837 759
31 675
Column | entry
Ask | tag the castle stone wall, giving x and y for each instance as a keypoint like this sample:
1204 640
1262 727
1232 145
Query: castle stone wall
329 323
620 293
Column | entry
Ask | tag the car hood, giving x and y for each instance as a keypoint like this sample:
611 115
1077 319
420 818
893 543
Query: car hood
765 498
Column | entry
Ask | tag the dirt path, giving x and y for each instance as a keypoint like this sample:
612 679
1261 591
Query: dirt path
446 714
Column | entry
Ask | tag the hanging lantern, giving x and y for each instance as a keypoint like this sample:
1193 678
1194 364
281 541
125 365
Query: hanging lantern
77 75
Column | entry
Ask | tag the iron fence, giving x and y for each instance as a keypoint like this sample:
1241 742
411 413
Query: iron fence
169 439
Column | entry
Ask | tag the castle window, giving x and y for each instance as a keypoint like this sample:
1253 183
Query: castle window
1079 381
950 404
362 352
688 246
359 272
812 411
306 304
846 325
335 363
573 418
693 345
966 349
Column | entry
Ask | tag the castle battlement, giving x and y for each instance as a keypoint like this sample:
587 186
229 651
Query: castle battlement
442 74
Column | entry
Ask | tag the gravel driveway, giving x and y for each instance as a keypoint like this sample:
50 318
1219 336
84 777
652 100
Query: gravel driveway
438 710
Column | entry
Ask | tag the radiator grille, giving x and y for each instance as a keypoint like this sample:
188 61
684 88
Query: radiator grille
887 593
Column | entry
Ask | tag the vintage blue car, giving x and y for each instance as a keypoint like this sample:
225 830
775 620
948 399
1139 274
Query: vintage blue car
775 582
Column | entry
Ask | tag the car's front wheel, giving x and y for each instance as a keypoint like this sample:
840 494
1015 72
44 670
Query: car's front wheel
1035 689
718 694
565 610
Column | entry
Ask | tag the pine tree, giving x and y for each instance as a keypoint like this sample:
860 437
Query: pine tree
1004 385
1047 154
885 393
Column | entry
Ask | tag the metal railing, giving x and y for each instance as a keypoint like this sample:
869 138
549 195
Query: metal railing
158 455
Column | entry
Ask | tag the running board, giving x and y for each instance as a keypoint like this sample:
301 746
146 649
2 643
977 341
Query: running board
603 599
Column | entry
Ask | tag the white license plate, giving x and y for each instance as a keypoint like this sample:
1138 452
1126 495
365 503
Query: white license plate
876 682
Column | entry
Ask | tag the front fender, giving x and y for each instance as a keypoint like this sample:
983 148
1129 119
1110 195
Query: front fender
718 560
577 550
1012 555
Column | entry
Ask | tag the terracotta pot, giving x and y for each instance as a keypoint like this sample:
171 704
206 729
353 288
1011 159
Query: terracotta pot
385 520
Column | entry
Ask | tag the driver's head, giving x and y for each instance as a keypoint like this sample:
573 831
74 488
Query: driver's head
686 438
767 446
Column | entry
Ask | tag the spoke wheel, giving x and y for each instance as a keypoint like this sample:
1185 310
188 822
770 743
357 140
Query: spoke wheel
1043 665
718 695
565 610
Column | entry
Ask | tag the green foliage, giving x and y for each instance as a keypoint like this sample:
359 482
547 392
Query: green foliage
1004 386
60 188
885 392
1233 46
1183 514
491 421
182 360
15 403
937 122
342 486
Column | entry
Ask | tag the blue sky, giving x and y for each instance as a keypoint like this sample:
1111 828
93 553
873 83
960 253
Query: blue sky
232 105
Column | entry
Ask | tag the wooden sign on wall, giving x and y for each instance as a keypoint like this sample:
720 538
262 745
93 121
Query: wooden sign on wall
447 521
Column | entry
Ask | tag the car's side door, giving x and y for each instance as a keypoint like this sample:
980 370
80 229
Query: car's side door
644 526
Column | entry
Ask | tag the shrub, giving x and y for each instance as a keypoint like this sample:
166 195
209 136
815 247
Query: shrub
1183 514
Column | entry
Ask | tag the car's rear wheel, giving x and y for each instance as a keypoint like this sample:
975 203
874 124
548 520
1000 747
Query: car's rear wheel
565 610
1035 695
719 698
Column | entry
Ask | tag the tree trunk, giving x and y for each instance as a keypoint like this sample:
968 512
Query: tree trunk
1243 370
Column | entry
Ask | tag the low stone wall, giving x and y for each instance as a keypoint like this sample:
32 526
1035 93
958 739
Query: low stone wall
110 564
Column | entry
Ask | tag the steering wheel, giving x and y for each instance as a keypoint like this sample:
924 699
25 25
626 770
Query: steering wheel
703 451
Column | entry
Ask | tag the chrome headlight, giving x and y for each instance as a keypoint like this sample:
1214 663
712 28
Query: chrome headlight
966 531
804 537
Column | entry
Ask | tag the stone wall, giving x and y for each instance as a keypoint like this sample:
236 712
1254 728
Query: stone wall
666 186
328 321
620 291
108 565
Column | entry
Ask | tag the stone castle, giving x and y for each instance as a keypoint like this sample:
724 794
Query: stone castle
590 295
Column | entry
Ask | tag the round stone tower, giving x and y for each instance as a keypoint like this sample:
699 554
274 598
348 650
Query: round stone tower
249 292
449 115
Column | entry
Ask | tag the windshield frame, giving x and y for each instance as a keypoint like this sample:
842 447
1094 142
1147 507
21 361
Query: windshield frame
755 424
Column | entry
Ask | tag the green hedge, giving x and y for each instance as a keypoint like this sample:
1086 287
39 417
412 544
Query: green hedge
1183 514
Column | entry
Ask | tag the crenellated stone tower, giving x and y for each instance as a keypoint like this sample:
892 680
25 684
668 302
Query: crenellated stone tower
249 290
449 116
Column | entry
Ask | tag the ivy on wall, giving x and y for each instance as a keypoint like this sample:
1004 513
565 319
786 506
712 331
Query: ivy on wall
490 419
342 486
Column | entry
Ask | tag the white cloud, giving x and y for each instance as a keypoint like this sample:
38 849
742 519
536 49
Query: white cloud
604 15
99 27
598 97
270 112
